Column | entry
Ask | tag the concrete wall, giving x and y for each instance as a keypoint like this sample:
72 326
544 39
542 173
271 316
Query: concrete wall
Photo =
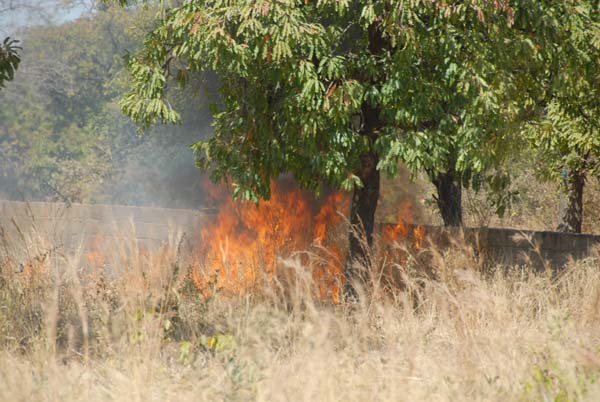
78 226
552 248
514 247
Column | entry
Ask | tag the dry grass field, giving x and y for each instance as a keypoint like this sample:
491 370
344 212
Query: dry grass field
133 327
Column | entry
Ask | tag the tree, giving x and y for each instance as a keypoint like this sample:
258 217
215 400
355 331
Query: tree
39 10
62 135
9 60
567 135
458 97
53 140
331 91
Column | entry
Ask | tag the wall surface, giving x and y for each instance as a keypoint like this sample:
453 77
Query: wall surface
514 247
72 227
79 227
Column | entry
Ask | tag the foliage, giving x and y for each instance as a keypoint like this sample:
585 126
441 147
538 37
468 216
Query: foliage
459 92
56 139
62 135
9 59
297 75
567 136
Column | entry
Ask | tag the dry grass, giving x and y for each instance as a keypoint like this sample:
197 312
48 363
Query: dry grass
135 329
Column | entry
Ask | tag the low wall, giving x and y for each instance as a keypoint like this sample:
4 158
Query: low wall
78 226
540 249
511 246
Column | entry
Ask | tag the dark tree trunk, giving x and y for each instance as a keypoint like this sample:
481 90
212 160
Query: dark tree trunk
572 215
449 198
364 199
362 213
362 220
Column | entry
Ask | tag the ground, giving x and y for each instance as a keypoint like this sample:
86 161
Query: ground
147 334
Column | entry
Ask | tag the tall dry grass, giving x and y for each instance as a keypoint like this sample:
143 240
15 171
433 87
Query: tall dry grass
130 326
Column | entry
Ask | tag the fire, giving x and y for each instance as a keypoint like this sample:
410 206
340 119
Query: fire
419 235
95 257
240 246
411 237
403 228
400 229
242 243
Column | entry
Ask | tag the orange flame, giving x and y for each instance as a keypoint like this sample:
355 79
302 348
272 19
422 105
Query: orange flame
95 257
413 237
419 233
400 229
241 244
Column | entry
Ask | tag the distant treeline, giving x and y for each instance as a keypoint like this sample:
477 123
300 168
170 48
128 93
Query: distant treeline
62 134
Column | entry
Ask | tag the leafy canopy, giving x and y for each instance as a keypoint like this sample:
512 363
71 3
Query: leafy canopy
9 59
62 134
459 90
567 136
295 75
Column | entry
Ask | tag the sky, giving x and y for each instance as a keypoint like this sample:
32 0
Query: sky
16 14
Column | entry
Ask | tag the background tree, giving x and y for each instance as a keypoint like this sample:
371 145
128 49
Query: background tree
52 142
459 93
9 59
62 136
567 136
322 90
17 14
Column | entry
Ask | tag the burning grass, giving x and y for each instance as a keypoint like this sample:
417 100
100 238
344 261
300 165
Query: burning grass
133 326
241 245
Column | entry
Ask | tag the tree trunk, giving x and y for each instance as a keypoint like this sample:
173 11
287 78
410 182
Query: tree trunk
572 215
449 198
364 199
362 212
